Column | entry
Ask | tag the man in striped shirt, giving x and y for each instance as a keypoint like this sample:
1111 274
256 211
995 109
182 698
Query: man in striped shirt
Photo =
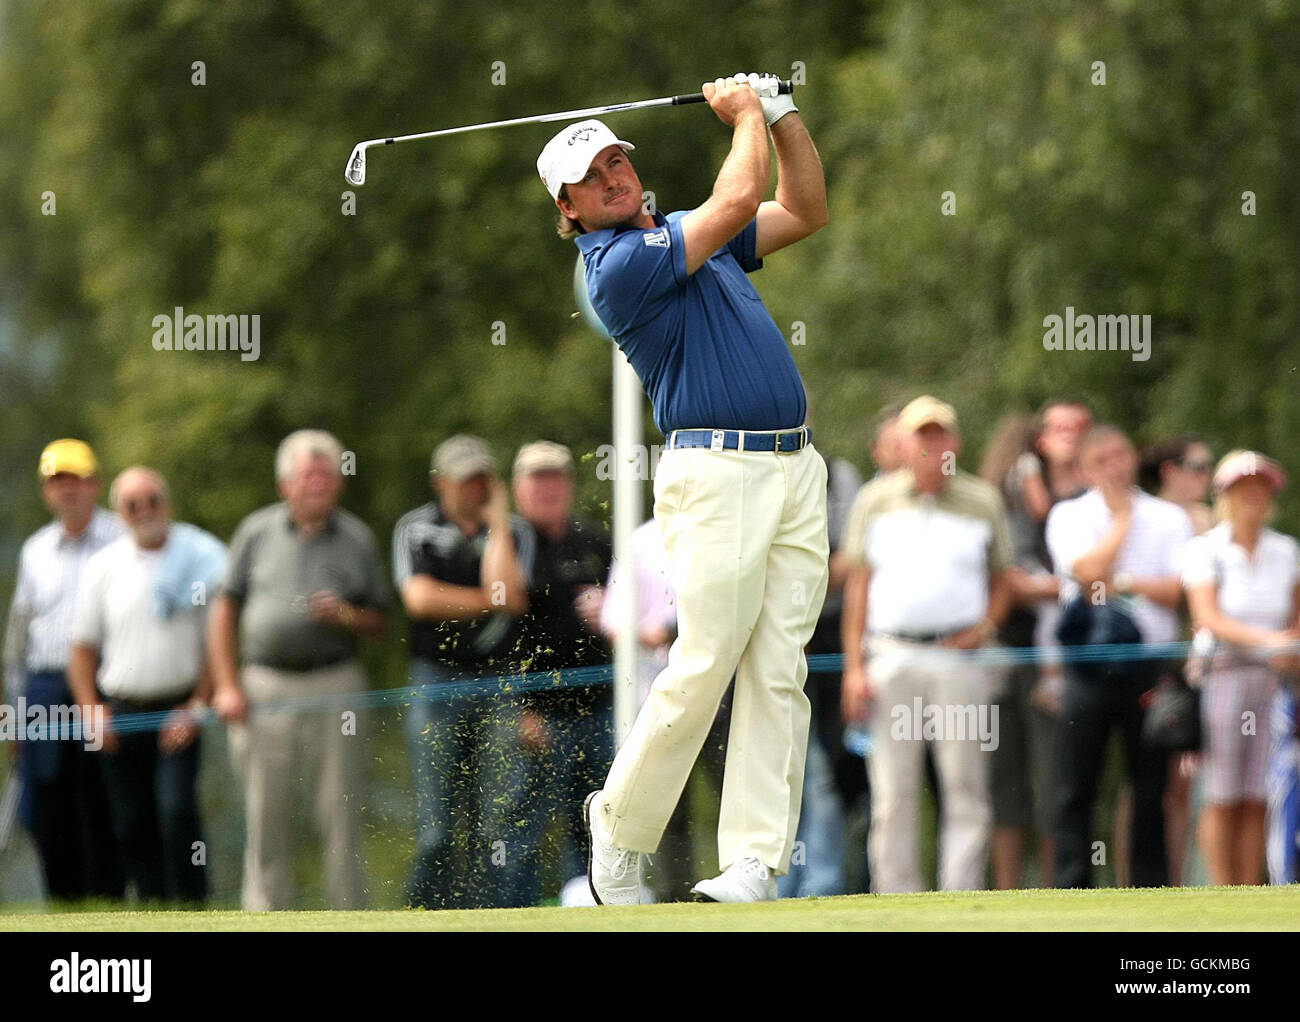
64 805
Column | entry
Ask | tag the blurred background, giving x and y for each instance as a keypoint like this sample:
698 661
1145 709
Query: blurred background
186 154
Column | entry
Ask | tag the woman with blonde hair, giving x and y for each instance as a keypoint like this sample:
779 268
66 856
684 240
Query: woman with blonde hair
1243 587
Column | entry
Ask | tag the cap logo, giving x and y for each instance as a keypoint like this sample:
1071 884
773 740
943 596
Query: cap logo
581 135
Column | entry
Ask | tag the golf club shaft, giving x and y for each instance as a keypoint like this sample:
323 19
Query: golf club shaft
594 111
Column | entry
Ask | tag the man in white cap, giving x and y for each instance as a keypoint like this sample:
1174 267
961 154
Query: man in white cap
740 492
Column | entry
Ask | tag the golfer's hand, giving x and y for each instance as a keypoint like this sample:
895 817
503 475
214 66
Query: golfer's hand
775 105
856 695
732 100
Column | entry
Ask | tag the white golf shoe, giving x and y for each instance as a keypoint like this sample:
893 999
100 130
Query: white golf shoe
613 873
745 880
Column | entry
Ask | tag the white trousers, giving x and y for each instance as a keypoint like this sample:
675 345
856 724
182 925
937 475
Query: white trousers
908 677
745 534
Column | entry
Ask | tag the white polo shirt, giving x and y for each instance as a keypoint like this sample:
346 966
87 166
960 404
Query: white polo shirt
142 656
931 557
50 568
1255 589
1153 548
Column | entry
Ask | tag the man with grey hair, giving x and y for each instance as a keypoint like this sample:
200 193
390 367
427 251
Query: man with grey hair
303 585
138 647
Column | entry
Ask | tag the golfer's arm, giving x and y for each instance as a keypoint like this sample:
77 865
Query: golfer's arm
799 208
853 619
737 192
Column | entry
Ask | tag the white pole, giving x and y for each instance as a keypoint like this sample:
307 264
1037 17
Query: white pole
628 442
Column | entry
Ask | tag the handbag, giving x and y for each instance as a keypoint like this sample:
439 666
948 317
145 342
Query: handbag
1173 714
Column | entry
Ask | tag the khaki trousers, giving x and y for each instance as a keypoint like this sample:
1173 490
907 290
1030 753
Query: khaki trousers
746 537
956 695
279 749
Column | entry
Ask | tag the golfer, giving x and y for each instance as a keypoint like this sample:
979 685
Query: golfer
740 493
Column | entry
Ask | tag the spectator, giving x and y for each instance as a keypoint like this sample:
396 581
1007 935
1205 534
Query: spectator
138 647
1032 462
461 566
674 863
1117 546
566 737
63 801
929 547
1243 587
303 585
1176 469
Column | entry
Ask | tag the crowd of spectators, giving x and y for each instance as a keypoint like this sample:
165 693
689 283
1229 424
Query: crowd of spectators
959 603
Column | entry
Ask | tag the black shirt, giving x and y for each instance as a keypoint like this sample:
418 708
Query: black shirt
426 542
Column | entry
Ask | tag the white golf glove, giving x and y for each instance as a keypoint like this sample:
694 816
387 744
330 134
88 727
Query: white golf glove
775 104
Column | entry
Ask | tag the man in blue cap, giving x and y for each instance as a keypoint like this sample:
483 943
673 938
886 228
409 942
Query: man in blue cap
740 493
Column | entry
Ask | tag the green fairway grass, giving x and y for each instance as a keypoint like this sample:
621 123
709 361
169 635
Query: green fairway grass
1197 908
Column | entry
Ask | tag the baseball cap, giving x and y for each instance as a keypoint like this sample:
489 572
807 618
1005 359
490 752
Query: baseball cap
71 456
568 155
543 456
461 456
926 409
1236 465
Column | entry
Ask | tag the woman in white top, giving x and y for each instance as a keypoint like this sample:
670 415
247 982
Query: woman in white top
1242 587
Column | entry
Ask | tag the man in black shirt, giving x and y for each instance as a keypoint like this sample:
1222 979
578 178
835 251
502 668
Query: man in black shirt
461 565
566 736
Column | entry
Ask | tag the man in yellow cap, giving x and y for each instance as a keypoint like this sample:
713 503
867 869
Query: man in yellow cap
63 805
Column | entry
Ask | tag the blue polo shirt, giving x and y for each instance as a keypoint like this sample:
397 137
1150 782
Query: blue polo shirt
705 347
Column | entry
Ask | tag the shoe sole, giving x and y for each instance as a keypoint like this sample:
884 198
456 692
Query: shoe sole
591 844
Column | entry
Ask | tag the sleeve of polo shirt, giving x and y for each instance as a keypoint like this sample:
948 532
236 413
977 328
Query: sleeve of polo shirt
1177 543
635 272
235 584
1062 540
1002 554
1198 564
403 556
88 618
854 547
742 247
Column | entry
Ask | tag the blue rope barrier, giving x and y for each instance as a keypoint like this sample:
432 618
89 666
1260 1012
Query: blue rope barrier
603 674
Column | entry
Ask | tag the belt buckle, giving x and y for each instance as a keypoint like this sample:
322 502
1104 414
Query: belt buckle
789 432
719 437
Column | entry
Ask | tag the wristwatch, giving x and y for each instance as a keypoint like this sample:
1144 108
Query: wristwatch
1123 582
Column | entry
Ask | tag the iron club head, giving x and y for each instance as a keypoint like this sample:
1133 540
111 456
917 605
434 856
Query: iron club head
356 172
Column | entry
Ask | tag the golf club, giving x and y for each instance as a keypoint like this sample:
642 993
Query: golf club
356 170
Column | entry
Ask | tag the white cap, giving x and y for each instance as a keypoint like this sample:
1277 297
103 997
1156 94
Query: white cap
567 156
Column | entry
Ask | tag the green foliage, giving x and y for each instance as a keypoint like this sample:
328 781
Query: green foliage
227 197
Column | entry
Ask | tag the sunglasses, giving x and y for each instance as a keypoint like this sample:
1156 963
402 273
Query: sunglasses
1199 467
153 502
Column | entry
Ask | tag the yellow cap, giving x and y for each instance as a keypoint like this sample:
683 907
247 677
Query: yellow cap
73 457
926 409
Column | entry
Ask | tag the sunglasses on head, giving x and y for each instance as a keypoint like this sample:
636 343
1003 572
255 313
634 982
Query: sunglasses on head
153 502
